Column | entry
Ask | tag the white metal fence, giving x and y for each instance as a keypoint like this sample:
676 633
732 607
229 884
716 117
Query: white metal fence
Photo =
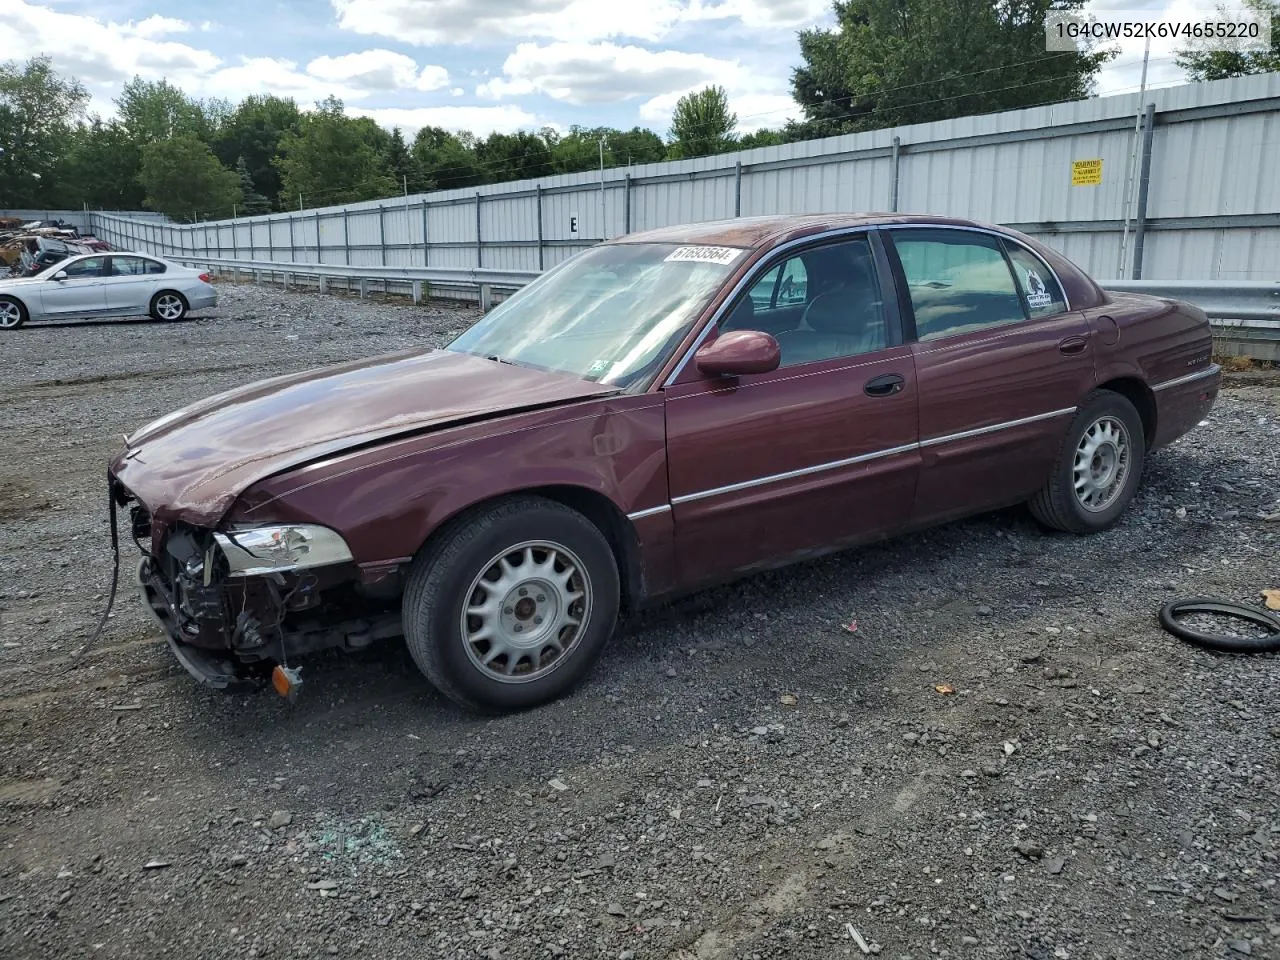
1210 209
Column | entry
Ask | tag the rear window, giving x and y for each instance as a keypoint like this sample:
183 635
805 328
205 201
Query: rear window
154 267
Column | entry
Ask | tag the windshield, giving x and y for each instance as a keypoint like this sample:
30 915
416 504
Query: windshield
611 314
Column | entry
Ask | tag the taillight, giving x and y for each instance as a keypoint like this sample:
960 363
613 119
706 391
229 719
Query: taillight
205 278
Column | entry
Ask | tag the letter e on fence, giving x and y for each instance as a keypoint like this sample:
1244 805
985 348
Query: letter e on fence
1086 173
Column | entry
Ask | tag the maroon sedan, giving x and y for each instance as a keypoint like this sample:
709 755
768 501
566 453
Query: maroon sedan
659 413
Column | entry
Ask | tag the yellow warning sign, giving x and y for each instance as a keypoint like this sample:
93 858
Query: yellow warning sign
1086 173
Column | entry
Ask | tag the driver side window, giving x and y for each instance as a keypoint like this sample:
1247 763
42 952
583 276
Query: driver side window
821 304
92 267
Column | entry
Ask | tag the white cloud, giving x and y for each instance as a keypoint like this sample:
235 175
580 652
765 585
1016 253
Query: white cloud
271 75
479 120
380 70
102 52
583 73
156 26
457 92
464 21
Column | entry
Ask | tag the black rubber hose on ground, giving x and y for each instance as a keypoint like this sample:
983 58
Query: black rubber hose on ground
1270 643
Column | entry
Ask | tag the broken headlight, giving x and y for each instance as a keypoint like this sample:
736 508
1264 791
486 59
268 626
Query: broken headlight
279 548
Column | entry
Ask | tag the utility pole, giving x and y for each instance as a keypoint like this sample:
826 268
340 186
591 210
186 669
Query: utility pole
1131 170
604 230
299 202
406 183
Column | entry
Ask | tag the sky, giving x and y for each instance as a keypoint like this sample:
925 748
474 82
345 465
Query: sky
479 65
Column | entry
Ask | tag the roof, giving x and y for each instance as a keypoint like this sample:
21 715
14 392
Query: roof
751 232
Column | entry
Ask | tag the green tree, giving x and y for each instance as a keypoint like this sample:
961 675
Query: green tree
253 131
181 176
251 202
513 156
38 108
101 168
579 149
447 159
636 145
328 159
891 62
761 138
702 124
157 110
401 164
1203 64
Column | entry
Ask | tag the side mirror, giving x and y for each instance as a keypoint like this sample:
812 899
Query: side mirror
60 275
739 352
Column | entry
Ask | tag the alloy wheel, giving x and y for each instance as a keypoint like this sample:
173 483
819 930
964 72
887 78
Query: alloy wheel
526 611
1102 462
10 315
169 306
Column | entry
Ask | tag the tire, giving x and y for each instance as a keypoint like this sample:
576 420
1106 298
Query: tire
447 576
13 313
1110 423
168 306
1222 643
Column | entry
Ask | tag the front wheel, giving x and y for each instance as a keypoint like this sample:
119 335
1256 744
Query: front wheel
511 606
169 306
1098 469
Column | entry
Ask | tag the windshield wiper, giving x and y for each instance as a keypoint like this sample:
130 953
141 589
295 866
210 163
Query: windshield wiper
497 359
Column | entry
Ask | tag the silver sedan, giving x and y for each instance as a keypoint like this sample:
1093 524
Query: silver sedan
106 285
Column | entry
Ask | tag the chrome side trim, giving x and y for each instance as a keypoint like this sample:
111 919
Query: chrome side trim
994 233
1008 424
651 512
1213 370
863 458
792 474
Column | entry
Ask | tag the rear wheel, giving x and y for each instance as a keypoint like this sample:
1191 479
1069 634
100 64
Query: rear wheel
511 606
1098 467
168 305
13 313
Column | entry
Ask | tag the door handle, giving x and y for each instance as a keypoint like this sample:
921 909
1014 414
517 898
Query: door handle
885 385
1073 345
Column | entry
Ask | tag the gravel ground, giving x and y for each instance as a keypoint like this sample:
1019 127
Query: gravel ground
742 777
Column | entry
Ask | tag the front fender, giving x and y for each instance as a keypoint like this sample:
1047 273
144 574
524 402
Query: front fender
388 500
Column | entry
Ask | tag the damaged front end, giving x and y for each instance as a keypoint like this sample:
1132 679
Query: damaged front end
237 604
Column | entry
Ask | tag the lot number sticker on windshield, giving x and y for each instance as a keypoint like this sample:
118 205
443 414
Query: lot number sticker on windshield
720 255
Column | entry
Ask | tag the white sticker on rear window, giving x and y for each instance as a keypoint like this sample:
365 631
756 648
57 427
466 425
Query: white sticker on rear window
1037 295
720 255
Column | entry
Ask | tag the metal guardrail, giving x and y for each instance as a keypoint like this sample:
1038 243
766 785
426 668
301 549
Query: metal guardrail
1257 300
483 279
1245 315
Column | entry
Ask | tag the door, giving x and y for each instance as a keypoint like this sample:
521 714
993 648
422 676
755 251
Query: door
1002 364
817 454
80 293
130 283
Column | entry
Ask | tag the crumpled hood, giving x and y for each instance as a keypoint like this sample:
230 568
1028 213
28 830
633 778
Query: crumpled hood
193 463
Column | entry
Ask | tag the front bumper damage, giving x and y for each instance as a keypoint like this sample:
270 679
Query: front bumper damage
233 611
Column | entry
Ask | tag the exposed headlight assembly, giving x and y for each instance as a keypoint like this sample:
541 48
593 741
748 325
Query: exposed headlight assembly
280 548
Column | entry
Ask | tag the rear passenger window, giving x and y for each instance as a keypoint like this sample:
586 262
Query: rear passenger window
127 266
1038 286
959 282
154 267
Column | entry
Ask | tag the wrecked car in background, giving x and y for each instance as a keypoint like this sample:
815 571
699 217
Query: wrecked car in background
659 413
